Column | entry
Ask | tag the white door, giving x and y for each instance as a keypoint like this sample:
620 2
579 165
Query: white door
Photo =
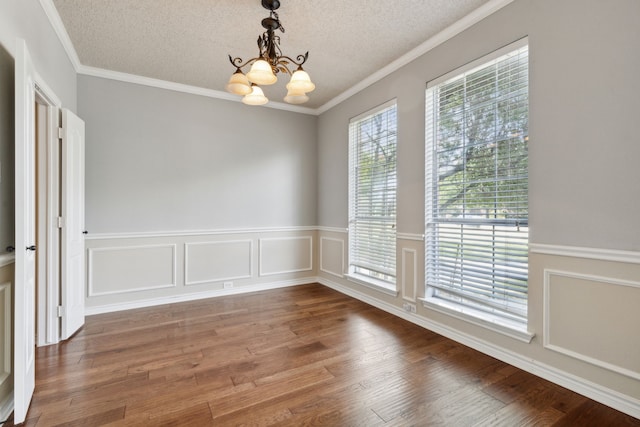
25 264
72 241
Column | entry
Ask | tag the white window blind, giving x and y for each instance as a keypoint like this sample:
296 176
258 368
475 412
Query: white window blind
477 187
372 195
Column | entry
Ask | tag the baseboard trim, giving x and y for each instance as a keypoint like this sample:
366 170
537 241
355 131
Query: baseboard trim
144 303
579 385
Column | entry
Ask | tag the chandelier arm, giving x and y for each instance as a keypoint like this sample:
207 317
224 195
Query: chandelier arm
237 62
300 59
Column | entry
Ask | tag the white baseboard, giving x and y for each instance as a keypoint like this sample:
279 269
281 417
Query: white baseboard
109 308
586 388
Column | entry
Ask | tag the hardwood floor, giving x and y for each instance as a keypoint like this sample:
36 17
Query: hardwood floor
304 355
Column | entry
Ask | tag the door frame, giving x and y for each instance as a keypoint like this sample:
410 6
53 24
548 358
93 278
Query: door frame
47 213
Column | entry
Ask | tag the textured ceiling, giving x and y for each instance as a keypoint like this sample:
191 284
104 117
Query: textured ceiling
188 41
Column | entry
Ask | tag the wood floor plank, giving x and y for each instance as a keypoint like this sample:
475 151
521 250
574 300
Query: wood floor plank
304 355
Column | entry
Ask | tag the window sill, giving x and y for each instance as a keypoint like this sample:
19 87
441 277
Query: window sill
478 318
374 284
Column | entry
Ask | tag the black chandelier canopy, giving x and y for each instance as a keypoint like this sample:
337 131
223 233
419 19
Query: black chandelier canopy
270 62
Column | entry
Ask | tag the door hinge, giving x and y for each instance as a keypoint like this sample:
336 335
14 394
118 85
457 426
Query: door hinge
60 133
60 222
60 311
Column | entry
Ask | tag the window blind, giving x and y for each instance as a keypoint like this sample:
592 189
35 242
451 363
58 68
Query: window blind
477 186
372 194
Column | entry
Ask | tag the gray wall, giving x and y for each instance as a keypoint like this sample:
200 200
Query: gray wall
584 192
158 160
584 146
27 20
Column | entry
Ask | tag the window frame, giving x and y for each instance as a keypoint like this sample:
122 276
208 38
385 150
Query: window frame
357 256
464 308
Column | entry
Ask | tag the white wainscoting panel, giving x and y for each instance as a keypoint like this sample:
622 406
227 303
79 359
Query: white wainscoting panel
6 331
207 262
115 270
279 255
409 274
332 256
588 317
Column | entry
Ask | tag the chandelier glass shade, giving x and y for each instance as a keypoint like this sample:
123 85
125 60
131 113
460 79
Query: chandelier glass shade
270 62
255 97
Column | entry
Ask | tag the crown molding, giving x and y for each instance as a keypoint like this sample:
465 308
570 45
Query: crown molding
179 87
444 35
56 22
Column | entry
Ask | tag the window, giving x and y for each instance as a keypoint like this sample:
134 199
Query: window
372 197
476 245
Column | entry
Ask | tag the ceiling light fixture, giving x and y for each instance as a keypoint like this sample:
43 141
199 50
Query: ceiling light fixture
270 62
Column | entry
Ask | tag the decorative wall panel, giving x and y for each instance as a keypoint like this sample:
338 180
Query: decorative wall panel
279 255
409 274
207 262
332 256
588 317
114 270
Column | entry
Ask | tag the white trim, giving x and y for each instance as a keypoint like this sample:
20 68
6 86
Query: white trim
632 257
144 303
217 279
410 236
480 319
547 324
615 399
341 241
47 95
393 102
7 259
48 269
332 229
433 42
183 88
371 283
403 285
151 234
456 28
90 251
261 272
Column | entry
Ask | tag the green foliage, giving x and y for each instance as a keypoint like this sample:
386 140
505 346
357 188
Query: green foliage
482 139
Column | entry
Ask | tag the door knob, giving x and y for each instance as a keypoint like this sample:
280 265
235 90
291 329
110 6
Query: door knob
10 249
31 248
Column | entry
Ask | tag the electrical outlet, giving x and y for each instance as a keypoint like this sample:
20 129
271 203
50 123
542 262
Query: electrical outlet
228 285
408 307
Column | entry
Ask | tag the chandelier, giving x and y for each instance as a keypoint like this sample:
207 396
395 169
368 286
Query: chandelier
269 62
